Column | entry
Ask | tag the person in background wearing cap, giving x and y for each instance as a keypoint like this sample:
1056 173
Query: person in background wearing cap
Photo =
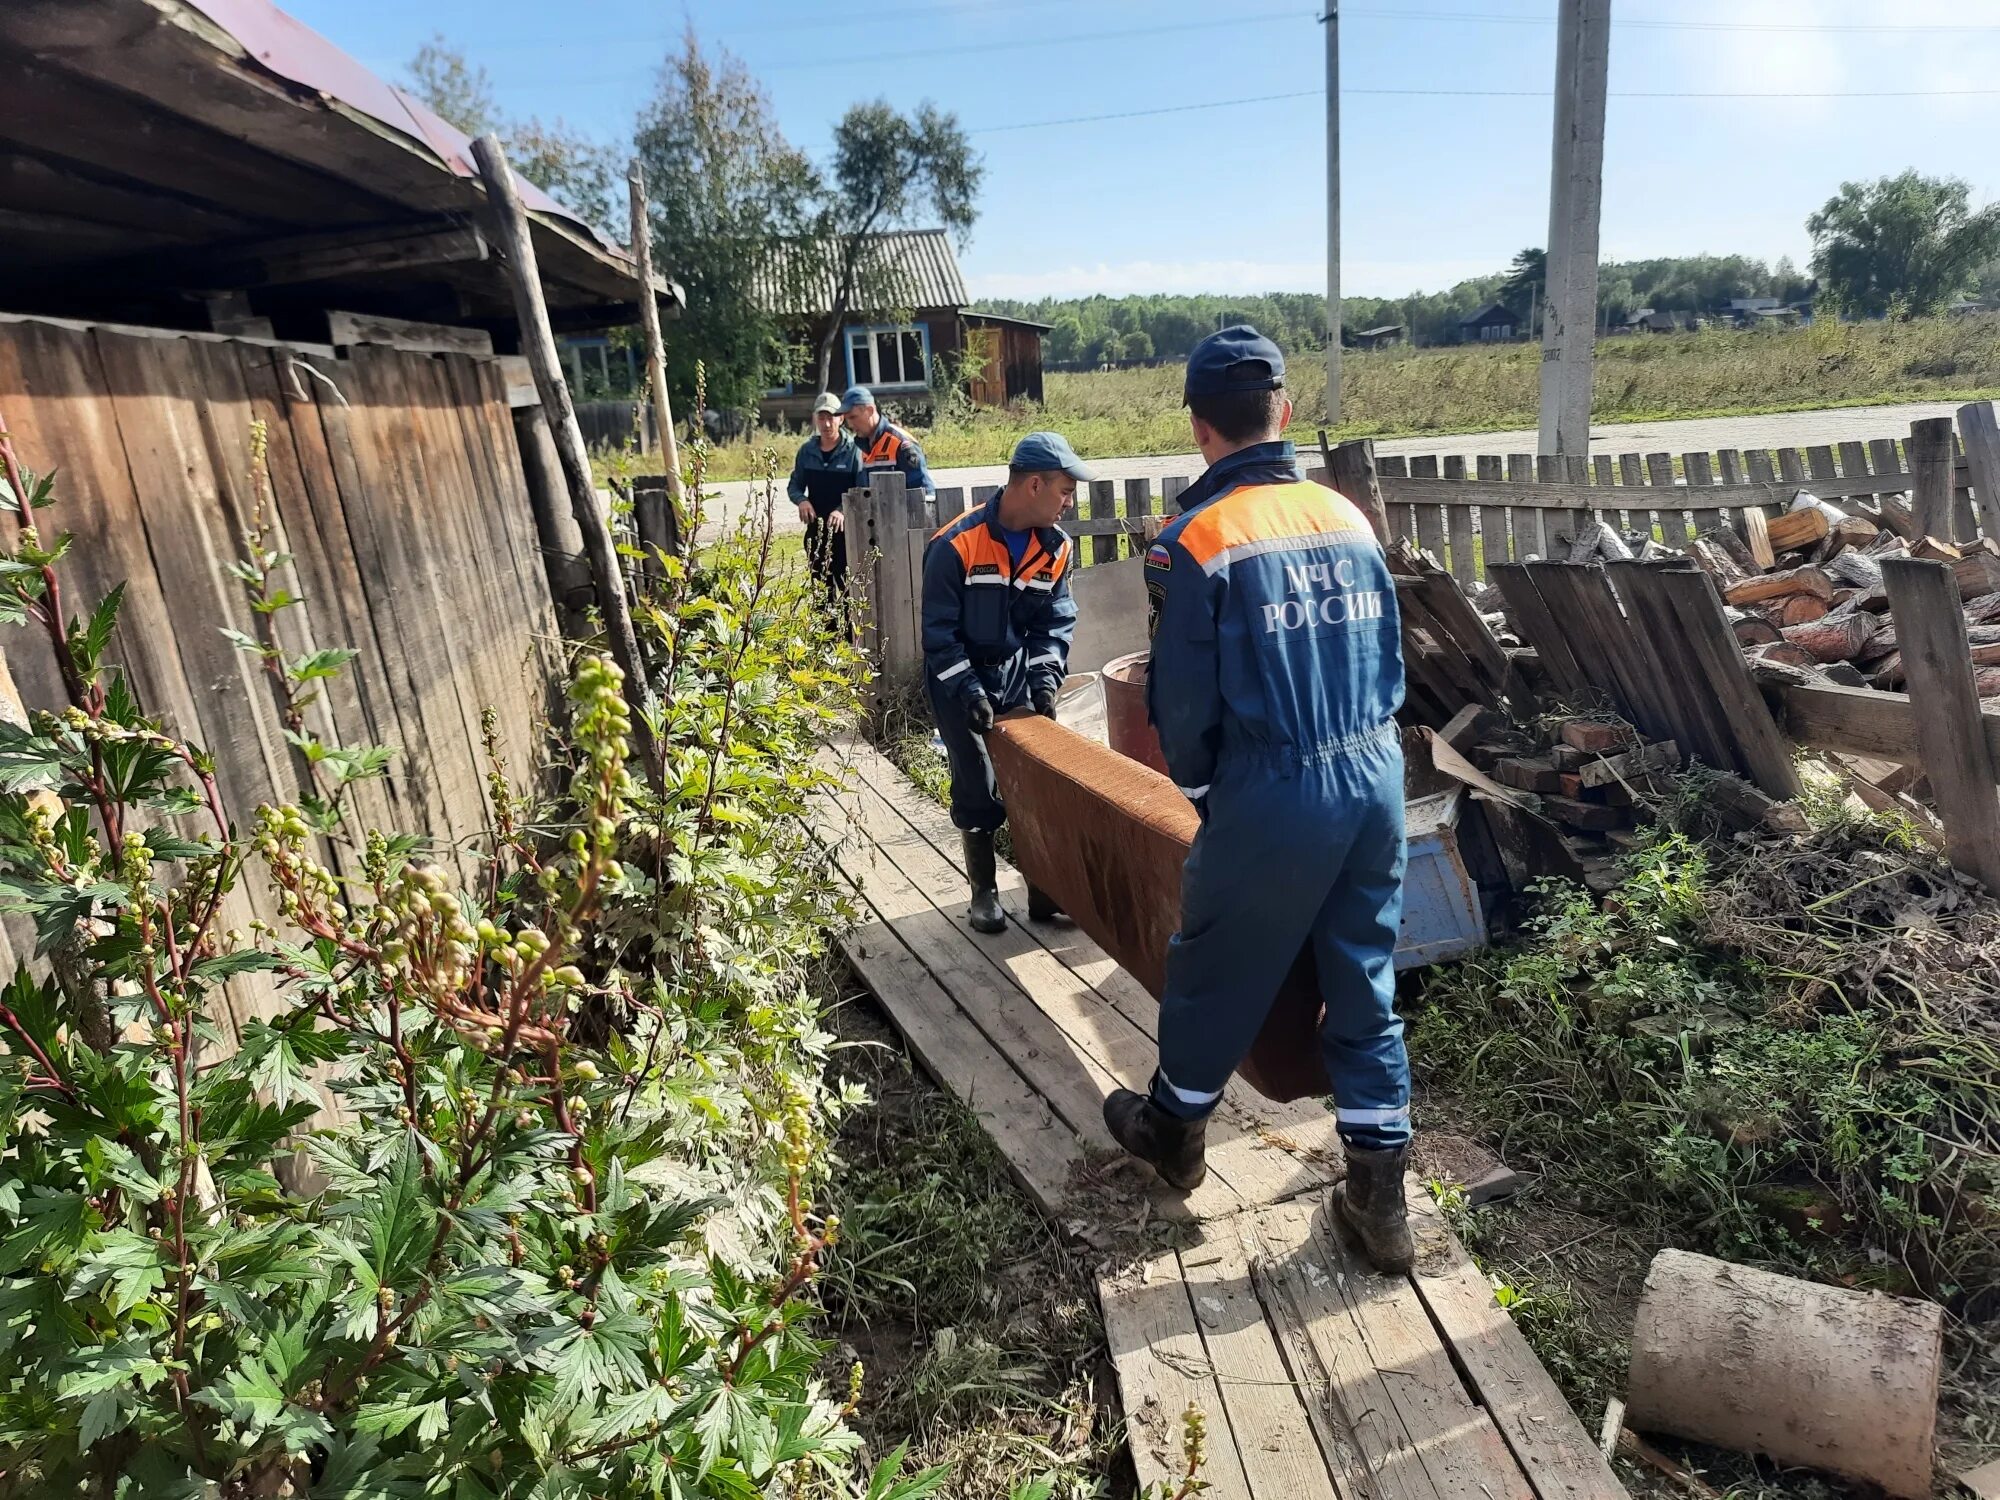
828 466
997 622
884 445
1277 670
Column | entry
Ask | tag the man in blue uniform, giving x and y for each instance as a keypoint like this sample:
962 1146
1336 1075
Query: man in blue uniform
997 623
884 445
827 467
1276 673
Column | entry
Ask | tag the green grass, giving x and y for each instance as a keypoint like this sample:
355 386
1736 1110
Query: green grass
1409 392
1777 1054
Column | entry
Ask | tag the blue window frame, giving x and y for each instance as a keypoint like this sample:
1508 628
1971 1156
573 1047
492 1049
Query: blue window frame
888 356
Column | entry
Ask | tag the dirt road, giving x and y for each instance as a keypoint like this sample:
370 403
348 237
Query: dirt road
1787 430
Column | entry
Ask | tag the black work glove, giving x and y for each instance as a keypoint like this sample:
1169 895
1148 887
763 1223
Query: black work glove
979 713
1045 702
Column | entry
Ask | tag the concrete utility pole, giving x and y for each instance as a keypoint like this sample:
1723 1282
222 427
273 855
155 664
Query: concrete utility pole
1332 23
1576 189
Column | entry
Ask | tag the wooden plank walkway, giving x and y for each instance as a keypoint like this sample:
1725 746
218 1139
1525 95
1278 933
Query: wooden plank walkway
1318 1378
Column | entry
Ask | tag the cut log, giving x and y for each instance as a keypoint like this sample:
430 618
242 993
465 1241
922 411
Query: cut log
1716 562
1728 544
1856 531
1845 674
1785 654
1802 609
1803 1373
1757 538
1797 528
1840 639
1898 517
1932 549
1887 544
1983 611
1781 585
1752 627
1978 574
1855 569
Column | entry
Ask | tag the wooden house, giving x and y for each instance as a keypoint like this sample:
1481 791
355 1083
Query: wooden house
918 323
1373 338
1494 323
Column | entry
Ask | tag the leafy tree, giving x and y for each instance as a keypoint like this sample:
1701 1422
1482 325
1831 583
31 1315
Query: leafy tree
728 193
889 171
1137 344
576 171
1527 283
1066 340
1907 243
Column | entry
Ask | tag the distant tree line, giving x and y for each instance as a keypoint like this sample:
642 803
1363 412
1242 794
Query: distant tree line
1902 246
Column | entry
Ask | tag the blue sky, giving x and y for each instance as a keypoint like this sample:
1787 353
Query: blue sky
1440 183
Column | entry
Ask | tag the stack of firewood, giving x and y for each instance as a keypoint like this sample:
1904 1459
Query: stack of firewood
1805 589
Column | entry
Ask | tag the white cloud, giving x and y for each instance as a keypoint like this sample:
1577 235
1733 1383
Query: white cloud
1374 278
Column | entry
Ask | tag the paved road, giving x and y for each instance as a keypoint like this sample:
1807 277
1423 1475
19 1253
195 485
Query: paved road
1788 430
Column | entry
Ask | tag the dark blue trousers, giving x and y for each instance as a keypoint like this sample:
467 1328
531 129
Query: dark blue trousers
975 799
1293 849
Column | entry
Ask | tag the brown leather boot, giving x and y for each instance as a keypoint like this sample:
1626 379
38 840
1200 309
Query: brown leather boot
1371 1204
1171 1146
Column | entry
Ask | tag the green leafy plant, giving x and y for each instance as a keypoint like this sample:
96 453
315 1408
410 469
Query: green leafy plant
506 1189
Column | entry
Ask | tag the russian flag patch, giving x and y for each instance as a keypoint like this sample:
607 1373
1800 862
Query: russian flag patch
1157 556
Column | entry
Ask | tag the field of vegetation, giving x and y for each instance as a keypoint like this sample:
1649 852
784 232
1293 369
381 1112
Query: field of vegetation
1399 392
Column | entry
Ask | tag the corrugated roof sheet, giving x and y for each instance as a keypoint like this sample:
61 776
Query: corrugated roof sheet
300 55
910 268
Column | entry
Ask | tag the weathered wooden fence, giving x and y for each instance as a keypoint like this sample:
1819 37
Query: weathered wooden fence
395 485
1473 513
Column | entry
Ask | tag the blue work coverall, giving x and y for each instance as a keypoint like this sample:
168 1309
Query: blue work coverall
889 447
1277 669
995 627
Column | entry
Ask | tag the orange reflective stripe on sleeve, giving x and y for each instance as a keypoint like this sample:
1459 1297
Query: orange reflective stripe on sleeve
1267 516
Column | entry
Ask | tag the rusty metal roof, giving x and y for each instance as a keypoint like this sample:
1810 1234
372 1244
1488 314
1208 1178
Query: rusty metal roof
296 53
913 269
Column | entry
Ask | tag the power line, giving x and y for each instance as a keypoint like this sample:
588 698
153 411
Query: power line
1176 109
1039 43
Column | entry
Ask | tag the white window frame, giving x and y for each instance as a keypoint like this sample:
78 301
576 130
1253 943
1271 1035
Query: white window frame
857 331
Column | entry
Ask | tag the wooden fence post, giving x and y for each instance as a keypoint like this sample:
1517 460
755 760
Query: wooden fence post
656 345
1103 507
1138 505
1931 465
1951 735
1981 432
1352 470
538 342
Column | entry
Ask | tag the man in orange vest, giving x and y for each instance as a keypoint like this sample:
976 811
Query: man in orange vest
884 445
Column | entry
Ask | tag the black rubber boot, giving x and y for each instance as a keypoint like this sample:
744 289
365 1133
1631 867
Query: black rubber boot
1371 1204
1171 1146
1041 908
985 914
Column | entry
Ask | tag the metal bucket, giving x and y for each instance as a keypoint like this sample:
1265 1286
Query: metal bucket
1126 728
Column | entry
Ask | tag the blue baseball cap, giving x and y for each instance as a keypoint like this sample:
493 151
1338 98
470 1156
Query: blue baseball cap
1236 359
857 395
1044 452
